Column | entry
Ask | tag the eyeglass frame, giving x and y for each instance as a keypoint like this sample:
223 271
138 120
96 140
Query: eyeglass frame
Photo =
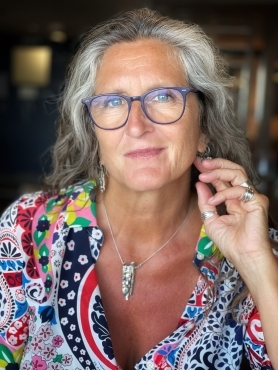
130 99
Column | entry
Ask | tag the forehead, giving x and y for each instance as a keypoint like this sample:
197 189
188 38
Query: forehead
140 48
149 43
143 59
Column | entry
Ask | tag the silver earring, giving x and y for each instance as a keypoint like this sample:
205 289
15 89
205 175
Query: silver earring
101 178
205 155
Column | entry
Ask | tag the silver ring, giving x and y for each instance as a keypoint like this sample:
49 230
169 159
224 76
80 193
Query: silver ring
248 195
247 184
207 214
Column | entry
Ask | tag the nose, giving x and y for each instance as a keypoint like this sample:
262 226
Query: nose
137 123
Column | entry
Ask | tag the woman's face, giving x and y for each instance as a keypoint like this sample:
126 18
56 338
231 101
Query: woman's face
142 155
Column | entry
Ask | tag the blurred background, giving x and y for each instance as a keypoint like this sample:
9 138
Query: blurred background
38 39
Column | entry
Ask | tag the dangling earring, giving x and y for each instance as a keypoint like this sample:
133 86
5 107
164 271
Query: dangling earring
205 155
101 178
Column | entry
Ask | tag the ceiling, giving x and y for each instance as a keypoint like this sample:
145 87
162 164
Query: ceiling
41 17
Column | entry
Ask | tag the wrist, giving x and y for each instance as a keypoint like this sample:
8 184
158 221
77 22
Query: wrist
261 277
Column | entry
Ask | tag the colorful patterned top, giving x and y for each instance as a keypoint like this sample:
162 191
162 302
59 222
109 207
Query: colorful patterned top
51 313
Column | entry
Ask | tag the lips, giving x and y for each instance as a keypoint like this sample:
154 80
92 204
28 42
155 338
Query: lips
144 153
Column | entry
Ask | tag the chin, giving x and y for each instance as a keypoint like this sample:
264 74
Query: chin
146 182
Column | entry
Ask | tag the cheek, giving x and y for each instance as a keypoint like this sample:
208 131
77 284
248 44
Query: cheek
107 148
184 147
103 150
104 154
187 136
103 144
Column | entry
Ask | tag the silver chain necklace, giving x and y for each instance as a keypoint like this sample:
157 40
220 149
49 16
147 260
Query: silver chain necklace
128 270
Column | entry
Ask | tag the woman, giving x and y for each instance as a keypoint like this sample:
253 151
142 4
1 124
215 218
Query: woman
83 258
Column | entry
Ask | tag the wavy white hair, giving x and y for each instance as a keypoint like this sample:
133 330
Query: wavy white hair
75 154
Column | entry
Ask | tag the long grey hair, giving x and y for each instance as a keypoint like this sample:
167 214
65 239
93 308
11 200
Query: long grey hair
75 154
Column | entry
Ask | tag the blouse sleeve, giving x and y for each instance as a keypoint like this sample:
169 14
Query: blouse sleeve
254 343
14 234
254 338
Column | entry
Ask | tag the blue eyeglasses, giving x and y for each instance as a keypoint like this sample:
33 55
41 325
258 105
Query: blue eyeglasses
163 106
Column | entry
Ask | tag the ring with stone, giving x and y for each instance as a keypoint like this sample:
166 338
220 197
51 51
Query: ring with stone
207 214
247 184
248 195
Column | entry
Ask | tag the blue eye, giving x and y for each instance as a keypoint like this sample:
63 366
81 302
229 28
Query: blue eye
114 102
108 101
162 97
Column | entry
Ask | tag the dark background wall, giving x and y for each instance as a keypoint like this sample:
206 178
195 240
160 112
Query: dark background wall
246 32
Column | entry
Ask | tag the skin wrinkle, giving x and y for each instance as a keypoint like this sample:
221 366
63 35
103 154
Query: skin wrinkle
131 64
187 46
135 77
139 185
145 216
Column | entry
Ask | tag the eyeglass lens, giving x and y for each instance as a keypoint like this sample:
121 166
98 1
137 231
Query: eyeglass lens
161 106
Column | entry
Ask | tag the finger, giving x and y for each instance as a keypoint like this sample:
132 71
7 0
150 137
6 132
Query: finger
210 164
201 164
239 193
218 176
204 194
207 168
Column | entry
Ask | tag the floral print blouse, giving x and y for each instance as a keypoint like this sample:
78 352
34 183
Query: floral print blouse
51 313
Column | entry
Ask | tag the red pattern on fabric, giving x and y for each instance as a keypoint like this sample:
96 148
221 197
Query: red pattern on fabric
13 278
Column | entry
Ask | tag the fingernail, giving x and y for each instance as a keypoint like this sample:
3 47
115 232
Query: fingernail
208 159
211 199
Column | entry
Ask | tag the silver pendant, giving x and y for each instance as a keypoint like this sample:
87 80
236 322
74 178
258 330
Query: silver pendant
128 275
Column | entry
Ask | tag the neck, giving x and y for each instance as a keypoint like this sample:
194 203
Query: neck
143 221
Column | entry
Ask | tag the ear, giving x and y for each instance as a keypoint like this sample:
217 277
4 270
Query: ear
203 142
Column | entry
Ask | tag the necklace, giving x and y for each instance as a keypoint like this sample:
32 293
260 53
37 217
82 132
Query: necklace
128 270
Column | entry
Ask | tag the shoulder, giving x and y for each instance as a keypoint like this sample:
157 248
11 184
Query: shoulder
25 206
29 218
15 231
74 199
28 205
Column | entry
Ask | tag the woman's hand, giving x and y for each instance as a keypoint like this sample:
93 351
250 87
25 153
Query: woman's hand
242 235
